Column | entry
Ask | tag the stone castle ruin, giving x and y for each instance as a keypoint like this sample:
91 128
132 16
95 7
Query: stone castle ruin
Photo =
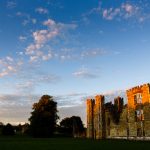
116 120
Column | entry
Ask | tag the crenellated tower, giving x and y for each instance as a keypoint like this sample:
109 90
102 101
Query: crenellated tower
99 117
139 110
90 117
96 117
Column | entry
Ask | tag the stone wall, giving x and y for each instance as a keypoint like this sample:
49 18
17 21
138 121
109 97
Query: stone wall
139 110
99 131
147 120
90 118
134 119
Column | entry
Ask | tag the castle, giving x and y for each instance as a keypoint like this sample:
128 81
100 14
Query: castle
116 120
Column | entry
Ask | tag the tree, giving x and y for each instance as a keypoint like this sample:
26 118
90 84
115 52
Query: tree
1 124
44 117
8 130
72 125
1 127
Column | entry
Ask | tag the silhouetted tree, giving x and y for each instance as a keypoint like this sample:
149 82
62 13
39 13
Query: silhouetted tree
1 124
1 127
8 130
25 128
44 117
72 126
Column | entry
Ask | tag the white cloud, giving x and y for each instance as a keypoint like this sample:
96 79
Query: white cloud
128 8
9 66
40 37
32 48
49 23
41 10
48 56
36 50
85 73
3 73
40 55
110 13
22 38
124 11
9 59
33 58
20 53
131 11
93 52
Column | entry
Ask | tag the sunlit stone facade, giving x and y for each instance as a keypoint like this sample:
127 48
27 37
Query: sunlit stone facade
132 120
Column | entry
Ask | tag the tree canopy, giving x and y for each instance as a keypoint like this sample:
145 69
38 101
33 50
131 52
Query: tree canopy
43 117
72 125
8 130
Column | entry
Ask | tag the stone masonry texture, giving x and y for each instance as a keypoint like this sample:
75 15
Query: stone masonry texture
107 120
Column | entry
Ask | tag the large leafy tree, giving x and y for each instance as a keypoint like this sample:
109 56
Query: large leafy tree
43 117
72 125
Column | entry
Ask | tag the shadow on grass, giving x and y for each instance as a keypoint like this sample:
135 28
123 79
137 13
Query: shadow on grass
28 143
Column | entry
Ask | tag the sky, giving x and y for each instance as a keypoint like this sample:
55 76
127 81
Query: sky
72 50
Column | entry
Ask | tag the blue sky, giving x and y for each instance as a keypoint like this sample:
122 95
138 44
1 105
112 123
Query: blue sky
70 50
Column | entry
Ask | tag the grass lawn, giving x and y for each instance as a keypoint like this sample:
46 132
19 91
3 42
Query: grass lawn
27 143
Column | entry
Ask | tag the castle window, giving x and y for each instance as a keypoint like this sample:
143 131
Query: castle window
135 99
138 98
139 116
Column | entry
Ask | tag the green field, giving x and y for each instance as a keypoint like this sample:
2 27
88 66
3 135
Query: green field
26 143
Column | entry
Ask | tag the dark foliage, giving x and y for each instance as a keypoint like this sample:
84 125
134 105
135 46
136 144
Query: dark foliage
1 124
8 130
72 126
44 117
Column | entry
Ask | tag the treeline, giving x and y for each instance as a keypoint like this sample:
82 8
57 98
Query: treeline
44 122
9 129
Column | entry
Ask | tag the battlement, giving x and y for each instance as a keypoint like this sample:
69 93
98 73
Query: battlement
138 88
89 101
99 96
138 95
99 99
